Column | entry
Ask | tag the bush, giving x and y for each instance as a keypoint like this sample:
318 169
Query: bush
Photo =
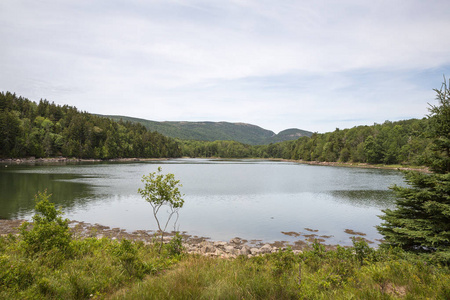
175 246
127 254
49 232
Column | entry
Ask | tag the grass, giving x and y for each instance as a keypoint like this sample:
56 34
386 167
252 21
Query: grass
97 268
46 262
335 274
338 274
107 269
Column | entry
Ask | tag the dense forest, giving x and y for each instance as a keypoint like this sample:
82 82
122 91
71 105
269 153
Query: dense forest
49 130
387 143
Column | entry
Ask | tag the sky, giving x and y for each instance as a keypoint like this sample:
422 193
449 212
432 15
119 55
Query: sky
312 65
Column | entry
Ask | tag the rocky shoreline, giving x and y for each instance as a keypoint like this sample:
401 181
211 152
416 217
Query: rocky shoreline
63 160
192 244
358 165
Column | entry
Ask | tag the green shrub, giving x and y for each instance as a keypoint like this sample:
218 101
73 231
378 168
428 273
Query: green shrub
127 254
175 246
283 262
15 274
363 252
49 232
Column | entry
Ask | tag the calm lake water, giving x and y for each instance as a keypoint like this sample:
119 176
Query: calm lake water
251 199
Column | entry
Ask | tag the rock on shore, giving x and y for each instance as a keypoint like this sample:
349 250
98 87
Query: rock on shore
192 244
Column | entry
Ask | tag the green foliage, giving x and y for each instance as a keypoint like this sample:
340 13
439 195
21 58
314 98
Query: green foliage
363 252
162 190
215 131
421 220
15 274
175 246
439 161
372 150
223 149
47 130
49 232
387 143
335 274
103 268
96 268
283 263
127 254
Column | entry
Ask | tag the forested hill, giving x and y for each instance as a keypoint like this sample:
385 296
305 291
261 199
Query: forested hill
400 142
44 129
218 131
47 130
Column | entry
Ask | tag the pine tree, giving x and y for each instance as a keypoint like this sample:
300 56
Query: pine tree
421 220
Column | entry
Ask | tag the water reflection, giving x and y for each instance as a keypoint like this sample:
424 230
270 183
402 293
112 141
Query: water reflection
366 198
224 198
19 188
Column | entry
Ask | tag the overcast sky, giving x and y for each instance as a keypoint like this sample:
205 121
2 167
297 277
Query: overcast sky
313 65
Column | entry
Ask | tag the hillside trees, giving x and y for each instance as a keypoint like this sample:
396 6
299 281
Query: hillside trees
421 219
48 130
387 143
224 149
44 130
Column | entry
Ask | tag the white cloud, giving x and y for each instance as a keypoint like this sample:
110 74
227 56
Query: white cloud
312 65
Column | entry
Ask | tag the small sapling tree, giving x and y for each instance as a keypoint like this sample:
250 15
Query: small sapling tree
162 190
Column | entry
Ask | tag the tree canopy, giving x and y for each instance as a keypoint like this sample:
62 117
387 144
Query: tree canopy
47 130
387 143
421 220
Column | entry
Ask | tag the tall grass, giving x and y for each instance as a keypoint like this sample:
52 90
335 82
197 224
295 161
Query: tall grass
46 262
125 270
338 274
97 268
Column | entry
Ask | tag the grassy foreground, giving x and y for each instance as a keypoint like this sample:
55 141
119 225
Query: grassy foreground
108 269
45 261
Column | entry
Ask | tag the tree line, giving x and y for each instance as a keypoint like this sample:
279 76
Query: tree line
45 129
387 143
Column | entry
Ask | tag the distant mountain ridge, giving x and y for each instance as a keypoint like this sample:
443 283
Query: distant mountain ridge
214 131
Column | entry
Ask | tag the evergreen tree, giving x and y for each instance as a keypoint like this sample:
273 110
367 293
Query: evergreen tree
421 220
46 130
